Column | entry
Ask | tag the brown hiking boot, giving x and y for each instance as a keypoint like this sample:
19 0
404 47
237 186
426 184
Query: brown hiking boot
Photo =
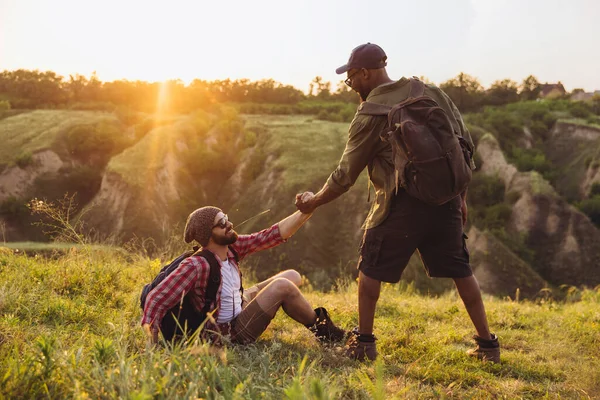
486 350
359 348
324 328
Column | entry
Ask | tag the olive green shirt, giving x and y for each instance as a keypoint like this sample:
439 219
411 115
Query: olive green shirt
365 148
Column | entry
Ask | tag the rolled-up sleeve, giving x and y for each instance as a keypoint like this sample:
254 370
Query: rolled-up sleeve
265 239
361 147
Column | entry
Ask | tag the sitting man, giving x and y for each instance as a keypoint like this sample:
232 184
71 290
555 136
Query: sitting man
243 317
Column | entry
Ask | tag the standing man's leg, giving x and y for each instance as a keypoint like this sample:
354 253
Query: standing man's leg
468 289
368 294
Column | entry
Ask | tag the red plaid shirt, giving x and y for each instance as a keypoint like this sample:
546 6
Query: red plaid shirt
192 276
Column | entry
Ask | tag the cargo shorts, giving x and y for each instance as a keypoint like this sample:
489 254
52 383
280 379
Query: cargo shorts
436 232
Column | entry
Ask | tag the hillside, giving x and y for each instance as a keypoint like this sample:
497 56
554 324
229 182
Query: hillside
525 236
69 328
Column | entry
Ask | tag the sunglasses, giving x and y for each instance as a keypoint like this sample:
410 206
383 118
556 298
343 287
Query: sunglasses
348 80
222 222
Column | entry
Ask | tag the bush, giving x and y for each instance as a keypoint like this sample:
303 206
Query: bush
591 208
81 180
580 109
128 116
24 159
595 189
5 105
497 216
13 208
250 139
549 120
539 129
530 160
95 144
485 191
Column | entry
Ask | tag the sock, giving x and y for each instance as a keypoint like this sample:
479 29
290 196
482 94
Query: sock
366 337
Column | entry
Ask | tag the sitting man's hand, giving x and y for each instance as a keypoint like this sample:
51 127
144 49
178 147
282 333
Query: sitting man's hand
152 336
305 202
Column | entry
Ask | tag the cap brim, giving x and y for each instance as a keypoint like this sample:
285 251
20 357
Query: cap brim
343 69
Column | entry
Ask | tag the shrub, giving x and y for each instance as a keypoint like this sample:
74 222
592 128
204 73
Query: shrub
5 105
485 191
549 120
497 216
591 208
539 129
24 159
595 189
13 208
530 160
580 109
82 180
250 139
95 143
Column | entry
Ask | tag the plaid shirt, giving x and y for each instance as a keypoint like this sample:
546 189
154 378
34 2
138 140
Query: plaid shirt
192 276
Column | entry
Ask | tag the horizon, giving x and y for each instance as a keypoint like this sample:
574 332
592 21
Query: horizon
153 43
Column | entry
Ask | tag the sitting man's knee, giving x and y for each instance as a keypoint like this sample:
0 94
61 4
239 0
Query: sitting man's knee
285 286
293 276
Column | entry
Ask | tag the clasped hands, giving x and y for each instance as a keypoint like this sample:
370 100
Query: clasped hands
305 202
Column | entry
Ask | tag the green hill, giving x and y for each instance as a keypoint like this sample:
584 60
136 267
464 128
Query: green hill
69 328
37 130
143 187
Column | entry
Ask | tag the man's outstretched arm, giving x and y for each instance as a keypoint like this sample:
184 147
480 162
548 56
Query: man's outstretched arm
270 237
362 145
290 225
324 196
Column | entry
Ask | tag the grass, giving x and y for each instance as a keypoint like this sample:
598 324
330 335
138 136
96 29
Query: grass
37 130
312 146
69 328
572 156
141 161
294 154
579 121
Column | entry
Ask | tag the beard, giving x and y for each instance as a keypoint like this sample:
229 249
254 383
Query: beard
363 94
230 237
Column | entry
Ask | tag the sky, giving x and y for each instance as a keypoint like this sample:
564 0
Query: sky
294 41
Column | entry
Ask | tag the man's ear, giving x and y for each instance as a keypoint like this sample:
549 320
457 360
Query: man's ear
366 74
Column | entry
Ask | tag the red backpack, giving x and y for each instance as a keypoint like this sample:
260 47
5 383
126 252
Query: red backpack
432 161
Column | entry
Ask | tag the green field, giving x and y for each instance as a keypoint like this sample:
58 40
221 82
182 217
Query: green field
29 132
69 328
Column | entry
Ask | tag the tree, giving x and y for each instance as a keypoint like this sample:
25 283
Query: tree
344 93
465 91
320 88
530 88
502 92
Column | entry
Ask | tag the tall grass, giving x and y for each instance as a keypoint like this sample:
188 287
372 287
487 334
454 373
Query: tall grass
69 327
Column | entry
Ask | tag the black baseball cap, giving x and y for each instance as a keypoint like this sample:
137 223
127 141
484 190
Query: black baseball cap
368 55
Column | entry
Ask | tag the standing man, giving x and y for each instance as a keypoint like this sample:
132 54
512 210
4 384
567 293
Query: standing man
397 223
242 318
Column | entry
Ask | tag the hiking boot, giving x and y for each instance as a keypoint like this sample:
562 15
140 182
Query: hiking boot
324 328
486 350
360 347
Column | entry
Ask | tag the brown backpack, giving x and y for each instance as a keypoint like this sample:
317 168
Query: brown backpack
432 162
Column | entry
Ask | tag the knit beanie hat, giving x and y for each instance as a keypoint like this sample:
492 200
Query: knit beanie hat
199 225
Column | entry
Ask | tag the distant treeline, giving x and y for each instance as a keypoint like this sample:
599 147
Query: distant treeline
25 89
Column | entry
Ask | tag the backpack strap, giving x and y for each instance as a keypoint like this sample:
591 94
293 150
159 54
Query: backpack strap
214 280
417 88
367 108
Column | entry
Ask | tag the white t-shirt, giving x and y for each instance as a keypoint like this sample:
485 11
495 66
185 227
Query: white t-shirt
231 298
